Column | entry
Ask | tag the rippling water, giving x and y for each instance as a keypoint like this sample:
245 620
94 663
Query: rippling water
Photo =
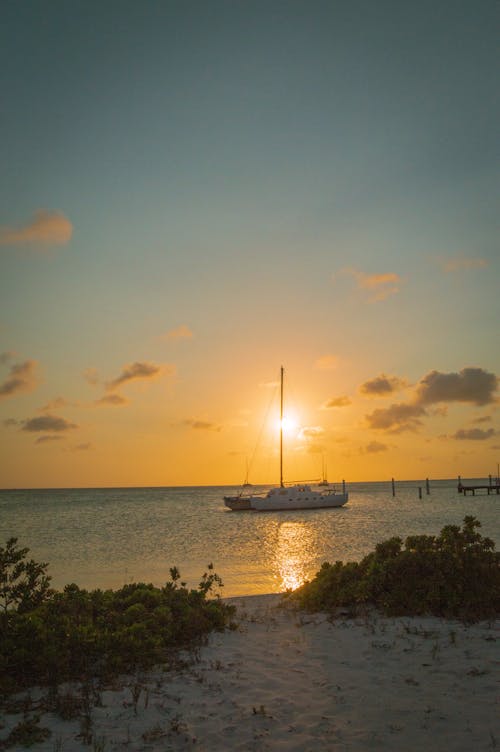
107 537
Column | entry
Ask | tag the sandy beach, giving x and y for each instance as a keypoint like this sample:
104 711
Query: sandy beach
286 680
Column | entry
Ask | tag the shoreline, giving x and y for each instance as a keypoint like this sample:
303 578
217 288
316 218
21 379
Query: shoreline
295 681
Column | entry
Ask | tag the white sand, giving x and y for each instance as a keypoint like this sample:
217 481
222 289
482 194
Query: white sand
292 681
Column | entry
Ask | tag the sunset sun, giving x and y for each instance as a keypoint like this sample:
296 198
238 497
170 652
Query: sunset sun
289 423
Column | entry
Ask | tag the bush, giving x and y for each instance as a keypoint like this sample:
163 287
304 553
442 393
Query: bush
23 584
48 637
456 574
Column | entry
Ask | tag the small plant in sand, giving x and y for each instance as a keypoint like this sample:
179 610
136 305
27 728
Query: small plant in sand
99 744
261 710
455 574
154 733
26 733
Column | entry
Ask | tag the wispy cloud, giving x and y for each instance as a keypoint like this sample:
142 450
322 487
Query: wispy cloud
311 432
22 378
57 403
113 400
269 384
7 357
326 362
48 423
181 332
374 447
91 376
379 286
46 228
201 425
343 401
87 446
461 263
48 439
474 434
483 419
138 370
382 385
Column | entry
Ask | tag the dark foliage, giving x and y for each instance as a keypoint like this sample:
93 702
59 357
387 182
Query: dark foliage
456 574
48 637
23 583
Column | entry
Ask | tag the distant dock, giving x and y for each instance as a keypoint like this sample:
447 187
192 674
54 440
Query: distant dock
493 487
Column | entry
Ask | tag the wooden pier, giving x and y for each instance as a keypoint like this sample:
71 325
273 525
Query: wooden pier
490 488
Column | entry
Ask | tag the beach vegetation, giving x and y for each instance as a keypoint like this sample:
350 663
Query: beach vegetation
455 575
26 733
24 583
48 637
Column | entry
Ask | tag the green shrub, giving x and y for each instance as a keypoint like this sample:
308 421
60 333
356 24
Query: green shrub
48 637
456 574
23 583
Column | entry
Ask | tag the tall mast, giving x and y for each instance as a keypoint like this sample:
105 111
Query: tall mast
281 429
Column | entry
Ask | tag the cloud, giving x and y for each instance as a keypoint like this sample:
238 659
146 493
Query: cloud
202 425
470 385
181 332
460 263
374 447
269 384
326 363
474 434
22 378
57 403
6 357
49 423
381 286
91 376
46 228
397 418
111 399
382 385
440 412
311 432
138 370
47 439
82 447
8 422
342 401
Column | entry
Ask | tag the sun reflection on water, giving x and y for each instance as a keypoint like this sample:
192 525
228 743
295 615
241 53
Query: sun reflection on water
295 543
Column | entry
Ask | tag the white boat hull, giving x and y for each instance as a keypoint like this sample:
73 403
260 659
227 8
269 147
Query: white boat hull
284 498
294 497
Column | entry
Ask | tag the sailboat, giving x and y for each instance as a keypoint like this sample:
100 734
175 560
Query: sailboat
297 496
324 479
246 482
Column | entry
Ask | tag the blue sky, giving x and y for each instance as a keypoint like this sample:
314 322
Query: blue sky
289 181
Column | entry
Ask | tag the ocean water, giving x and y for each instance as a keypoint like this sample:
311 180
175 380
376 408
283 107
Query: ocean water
104 538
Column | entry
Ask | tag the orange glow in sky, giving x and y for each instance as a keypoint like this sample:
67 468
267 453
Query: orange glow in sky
204 192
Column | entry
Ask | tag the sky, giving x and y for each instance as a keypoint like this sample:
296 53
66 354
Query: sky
194 194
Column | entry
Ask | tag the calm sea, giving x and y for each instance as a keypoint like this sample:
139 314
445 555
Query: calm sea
102 538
